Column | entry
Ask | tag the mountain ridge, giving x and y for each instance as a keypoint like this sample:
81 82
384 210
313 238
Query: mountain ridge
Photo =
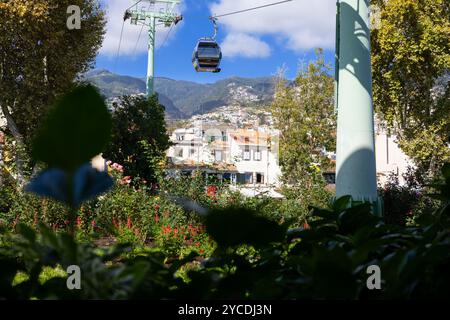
183 98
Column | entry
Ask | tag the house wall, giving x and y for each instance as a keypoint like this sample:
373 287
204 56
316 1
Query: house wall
390 159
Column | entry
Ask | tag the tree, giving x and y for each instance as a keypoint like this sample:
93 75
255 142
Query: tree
304 113
411 63
40 58
139 136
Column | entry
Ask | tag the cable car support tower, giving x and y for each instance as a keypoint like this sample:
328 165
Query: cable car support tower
152 13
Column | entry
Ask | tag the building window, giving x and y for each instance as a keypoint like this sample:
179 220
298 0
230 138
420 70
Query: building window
180 153
180 137
191 151
218 155
259 178
257 155
246 153
248 178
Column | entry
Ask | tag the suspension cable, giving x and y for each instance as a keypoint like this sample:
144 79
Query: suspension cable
118 49
139 38
167 35
134 5
250 9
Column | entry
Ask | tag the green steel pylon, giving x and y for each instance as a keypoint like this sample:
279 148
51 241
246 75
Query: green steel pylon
148 13
355 168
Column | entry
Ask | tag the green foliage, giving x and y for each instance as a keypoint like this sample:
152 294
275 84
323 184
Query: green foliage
139 137
230 227
304 113
75 131
32 255
405 203
328 260
71 136
410 60
40 58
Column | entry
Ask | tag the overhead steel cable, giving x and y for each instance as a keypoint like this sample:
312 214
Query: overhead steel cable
134 5
139 38
250 9
118 49
167 36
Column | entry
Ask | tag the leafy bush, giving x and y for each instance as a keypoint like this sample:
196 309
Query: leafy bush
139 137
404 203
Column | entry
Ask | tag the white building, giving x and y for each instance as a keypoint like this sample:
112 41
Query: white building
255 155
390 159
242 156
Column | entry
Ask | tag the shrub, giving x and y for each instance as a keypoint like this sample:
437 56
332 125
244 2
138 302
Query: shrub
404 203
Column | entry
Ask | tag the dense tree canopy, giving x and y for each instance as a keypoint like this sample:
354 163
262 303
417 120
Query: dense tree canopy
40 57
139 136
411 67
304 113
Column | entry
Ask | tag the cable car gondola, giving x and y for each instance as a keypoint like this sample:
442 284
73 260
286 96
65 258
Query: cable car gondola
207 53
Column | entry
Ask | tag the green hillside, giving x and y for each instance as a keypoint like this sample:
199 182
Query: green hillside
185 98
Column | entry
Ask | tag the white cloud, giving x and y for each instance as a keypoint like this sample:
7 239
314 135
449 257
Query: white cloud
300 24
240 44
115 10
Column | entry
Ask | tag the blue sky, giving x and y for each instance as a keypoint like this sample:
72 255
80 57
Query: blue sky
254 44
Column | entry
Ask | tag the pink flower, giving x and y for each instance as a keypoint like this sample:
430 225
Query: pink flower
117 167
125 180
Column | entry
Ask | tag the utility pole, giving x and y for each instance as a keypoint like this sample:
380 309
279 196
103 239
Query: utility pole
149 13
355 168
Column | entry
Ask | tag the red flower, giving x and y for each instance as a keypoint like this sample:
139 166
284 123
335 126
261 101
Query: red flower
197 244
79 222
157 206
166 230
129 223
156 218
93 223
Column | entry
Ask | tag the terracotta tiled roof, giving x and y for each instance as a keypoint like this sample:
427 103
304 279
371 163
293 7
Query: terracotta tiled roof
250 137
